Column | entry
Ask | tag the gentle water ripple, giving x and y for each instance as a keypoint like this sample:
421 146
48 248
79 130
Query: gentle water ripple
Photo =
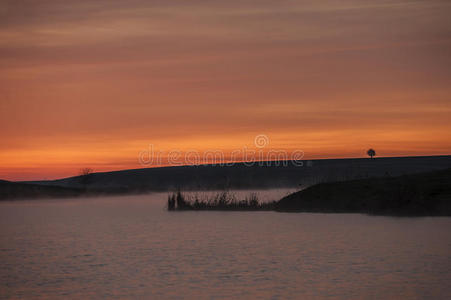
130 247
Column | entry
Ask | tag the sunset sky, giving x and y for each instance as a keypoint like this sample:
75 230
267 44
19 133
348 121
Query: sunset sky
94 83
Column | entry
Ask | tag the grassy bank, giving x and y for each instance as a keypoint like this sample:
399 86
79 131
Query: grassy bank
220 201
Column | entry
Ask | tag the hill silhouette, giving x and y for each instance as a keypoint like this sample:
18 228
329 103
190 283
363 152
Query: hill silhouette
263 175
258 176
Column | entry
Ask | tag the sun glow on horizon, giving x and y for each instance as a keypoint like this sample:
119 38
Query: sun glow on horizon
92 84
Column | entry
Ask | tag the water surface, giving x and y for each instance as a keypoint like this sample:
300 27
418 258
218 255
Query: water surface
130 247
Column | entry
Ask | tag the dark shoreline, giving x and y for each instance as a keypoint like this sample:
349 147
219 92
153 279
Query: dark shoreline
417 195
424 194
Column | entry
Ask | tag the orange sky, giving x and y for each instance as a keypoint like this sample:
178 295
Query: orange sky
93 83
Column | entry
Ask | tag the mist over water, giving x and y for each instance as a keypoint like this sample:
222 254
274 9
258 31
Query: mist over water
131 247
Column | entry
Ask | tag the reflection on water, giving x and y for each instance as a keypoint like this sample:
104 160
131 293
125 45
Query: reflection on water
131 247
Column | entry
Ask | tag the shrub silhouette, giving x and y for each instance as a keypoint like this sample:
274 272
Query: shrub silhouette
220 201
171 202
85 176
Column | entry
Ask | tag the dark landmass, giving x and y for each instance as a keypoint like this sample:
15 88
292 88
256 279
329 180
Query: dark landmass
22 191
262 175
425 194
15 191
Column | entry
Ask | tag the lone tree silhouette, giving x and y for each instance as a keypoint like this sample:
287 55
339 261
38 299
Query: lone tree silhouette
85 175
371 153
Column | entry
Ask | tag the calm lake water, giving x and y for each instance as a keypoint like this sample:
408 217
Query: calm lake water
131 247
